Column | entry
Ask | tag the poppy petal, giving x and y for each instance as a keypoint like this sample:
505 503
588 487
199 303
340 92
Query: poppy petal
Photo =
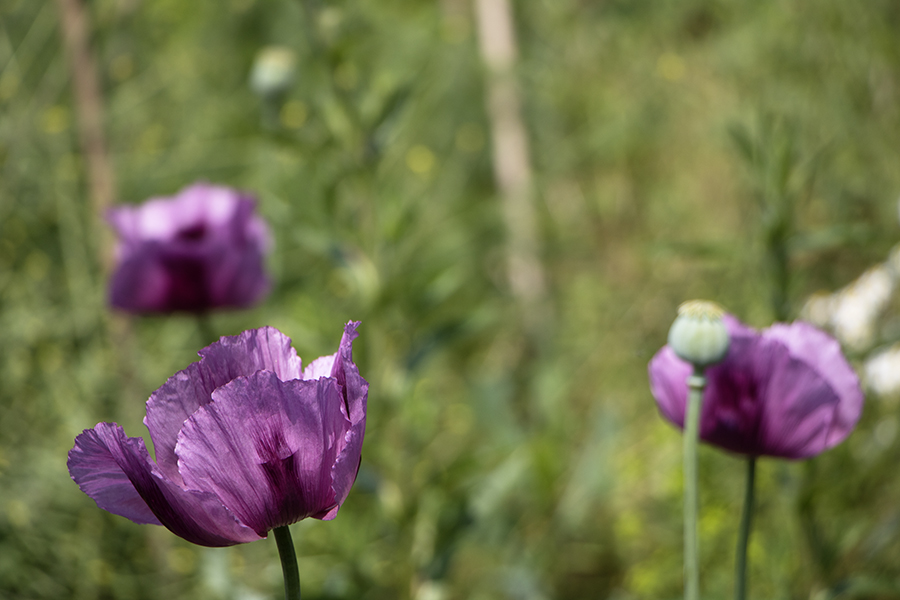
186 391
196 516
355 390
93 468
266 448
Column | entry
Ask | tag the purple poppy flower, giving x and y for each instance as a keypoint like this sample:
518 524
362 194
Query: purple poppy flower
245 441
787 392
198 250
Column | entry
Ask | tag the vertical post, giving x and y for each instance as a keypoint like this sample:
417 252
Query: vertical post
511 161
89 108
75 29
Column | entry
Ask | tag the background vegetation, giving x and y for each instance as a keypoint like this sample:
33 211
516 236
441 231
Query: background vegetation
672 142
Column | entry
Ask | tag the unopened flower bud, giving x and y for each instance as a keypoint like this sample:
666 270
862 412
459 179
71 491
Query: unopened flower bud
273 71
698 334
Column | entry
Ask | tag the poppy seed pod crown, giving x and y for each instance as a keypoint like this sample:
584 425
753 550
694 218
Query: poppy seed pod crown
698 334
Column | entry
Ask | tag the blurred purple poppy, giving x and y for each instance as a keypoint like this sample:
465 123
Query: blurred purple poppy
245 442
786 392
198 250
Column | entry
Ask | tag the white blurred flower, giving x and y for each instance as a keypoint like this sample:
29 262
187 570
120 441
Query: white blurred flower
893 261
431 590
882 372
852 311
819 308
859 305
273 70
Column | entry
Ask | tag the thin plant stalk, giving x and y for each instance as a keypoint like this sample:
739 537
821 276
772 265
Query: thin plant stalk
740 576
696 384
288 562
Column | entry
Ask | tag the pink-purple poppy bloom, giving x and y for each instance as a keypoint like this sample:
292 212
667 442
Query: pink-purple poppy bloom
786 392
198 250
246 440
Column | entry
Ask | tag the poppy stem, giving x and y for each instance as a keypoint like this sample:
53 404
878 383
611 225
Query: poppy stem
288 562
696 384
740 577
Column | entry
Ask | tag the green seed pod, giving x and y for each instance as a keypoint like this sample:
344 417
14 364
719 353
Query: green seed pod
698 334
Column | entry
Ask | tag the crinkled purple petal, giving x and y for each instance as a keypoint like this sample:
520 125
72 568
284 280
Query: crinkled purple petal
355 394
236 277
266 448
798 405
188 271
321 367
199 517
764 402
213 208
668 383
93 468
141 282
732 409
179 277
186 391
822 353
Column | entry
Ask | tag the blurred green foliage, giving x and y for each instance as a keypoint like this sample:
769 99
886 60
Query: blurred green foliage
494 467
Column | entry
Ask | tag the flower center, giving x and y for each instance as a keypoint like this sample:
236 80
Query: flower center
193 233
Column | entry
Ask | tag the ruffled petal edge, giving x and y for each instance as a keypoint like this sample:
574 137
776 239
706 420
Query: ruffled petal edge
199 517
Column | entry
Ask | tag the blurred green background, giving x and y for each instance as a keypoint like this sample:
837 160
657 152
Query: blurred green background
675 146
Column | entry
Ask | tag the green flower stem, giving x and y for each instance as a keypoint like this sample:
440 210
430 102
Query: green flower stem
288 563
696 384
740 576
